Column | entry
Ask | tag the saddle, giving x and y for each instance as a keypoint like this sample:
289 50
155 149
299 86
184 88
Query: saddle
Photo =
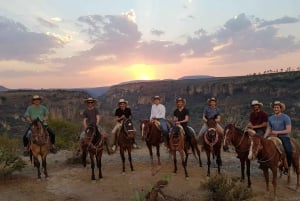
278 144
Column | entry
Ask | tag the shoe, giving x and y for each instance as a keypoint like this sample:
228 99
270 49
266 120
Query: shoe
113 148
134 146
26 153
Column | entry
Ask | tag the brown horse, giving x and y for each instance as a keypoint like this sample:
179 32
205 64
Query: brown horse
39 144
212 144
93 144
177 144
152 134
125 141
271 155
240 140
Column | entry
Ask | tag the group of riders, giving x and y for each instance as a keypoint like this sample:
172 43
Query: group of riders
278 124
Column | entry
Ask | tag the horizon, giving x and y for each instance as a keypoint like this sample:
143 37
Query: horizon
79 44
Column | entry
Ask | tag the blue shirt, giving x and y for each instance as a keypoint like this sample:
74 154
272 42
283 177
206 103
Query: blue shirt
279 123
210 112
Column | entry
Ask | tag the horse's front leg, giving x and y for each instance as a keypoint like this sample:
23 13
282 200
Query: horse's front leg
242 160
123 159
44 164
99 164
199 155
83 157
37 165
158 154
266 174
219 162
208 163
130 159
151 153
92 166
184 162
175 161
248 163
274 180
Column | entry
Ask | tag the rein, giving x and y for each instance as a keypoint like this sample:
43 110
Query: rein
211 144
239 144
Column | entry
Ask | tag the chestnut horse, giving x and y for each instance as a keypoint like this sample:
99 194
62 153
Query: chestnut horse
39 144
272 157
93 144
125 141
212 144
177 144
240 140
152 134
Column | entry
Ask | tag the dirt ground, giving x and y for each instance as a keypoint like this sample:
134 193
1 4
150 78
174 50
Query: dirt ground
68 182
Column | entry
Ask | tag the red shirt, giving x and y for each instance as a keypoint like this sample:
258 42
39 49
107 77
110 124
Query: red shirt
257 118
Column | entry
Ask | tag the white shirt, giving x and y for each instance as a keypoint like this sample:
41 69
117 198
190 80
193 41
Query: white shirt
158 111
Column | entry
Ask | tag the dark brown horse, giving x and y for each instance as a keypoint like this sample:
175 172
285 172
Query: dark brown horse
212 144
39 144
271 155
152 134
125 141
240 140
93 144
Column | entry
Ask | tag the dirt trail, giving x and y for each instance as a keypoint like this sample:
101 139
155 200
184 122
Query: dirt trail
72 182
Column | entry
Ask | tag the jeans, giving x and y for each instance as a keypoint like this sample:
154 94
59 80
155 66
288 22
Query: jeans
164 127
286 141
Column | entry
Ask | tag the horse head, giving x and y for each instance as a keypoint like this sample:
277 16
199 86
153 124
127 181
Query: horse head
228 135
255 146
39 134
90 134
128 128
212 129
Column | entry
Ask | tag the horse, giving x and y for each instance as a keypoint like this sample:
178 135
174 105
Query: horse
152 134
212 144
125 141
39 144
240 140
93 144
270 153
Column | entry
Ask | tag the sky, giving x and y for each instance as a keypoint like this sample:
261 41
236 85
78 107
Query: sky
94 43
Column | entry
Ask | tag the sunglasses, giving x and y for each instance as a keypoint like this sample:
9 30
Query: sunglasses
90 102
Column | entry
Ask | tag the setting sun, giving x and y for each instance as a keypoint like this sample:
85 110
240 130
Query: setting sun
142 72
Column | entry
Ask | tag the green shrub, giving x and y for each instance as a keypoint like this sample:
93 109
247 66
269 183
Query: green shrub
9 160
66 132
225 188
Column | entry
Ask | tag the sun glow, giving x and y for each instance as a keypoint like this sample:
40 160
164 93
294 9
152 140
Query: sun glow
142 72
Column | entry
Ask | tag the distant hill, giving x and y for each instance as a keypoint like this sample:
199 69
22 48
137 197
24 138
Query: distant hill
195 77
3 88
94 92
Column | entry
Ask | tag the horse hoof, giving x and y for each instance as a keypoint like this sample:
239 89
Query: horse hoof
187 178
123 173
93 181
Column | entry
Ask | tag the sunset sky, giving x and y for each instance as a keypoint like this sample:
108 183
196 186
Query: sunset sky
93 43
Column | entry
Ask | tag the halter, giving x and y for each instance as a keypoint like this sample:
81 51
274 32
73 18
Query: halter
91 144
124 128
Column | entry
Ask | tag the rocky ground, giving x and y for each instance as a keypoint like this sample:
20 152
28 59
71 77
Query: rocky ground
71 182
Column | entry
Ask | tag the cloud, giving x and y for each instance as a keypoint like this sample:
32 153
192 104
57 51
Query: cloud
157 32
46 23
282 20
18 43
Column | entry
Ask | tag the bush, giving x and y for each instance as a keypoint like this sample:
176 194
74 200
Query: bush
224 188
66 132
10 162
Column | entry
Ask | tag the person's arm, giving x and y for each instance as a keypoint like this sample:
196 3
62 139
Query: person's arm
262 125
268 131
97 119
287 130
186 119
84 122
152 113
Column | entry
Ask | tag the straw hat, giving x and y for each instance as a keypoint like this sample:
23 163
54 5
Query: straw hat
282 105
211 99
90 100
122 100
180 99
36 97
256 102
156 97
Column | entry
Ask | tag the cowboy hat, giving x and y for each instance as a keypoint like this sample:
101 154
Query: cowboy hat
36 97
180 99
90 100
282 105
122 100
256 102
211 99
156 97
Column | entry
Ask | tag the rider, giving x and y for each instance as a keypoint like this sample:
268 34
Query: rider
211 111
158 112
37 111
121 113
258 118
181 117
91 116
279 125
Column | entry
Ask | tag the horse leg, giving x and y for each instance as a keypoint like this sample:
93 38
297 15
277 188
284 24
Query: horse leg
37 165
44 164
158 154
184 161
151 153
99 164
266 174
219 162
274 181
84 154
175 162
92 166
123 159
242 161
208 163
248 172
198 154
130 159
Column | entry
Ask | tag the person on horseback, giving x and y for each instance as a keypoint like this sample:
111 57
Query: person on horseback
211 111
279 125
37 111
121 113
181 117
258 118
158 112
91 116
